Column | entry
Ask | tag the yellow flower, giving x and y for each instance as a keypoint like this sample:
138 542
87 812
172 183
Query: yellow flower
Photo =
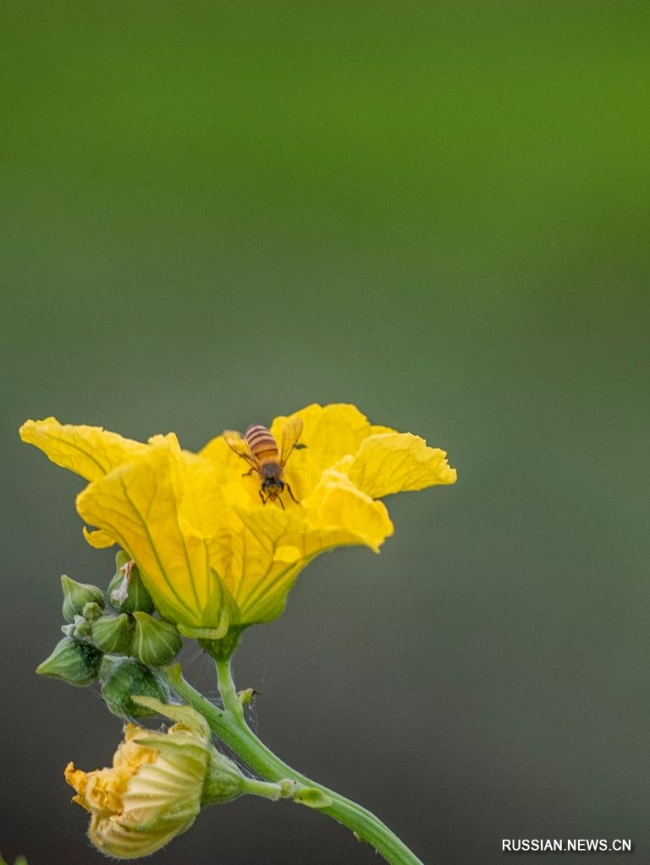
211 554
151 793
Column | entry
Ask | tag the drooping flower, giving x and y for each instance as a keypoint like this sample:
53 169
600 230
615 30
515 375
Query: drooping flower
157 784
210 553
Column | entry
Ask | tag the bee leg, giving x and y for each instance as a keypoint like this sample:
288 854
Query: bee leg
249 472
291 493
281 502
262 497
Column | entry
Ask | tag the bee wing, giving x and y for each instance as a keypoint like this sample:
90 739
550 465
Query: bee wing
237 442
290 435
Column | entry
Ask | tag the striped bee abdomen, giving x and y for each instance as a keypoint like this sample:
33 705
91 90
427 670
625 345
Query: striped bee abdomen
261 443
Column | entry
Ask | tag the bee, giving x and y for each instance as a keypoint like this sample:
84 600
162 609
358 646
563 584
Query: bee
260 450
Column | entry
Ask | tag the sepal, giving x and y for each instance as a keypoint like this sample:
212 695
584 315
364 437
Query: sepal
221 648
185 715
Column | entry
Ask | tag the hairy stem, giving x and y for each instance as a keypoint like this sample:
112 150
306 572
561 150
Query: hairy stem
230 726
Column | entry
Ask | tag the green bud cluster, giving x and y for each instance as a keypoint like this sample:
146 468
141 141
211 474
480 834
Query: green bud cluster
127 629
134 631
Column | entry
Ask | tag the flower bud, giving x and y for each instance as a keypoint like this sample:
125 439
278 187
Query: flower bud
92 611
77 595
123 678
126 591
155 642
113 634
73 661
81 627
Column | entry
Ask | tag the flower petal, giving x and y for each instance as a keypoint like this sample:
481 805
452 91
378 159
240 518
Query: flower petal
230 474
340 514
329 433
251 554
89 451
98 539
397 462
210 554
140 506
259 552
150 794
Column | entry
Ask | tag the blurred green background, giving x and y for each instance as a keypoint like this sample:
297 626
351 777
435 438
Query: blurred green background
217 213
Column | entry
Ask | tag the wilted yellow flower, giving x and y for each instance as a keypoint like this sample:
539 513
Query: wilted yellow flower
210 553
158 783
150 794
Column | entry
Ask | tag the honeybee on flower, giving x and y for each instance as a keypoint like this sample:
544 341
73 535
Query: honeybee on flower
259 449
208 561
208 554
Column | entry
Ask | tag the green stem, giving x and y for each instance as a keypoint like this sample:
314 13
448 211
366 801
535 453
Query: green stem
230 726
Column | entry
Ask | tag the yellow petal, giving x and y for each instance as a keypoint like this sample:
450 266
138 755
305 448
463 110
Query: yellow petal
203 492
396 462
210 554
259 552
253 559
98 539
239 487
329 433
151 793
339 514
89 451
288 553
140 506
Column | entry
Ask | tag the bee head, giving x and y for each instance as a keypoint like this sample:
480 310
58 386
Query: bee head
272 486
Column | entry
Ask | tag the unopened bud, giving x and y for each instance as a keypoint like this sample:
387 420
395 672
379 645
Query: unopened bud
126 591
113 634
77 595
155 642
81 627
92 611
123 678
72 661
